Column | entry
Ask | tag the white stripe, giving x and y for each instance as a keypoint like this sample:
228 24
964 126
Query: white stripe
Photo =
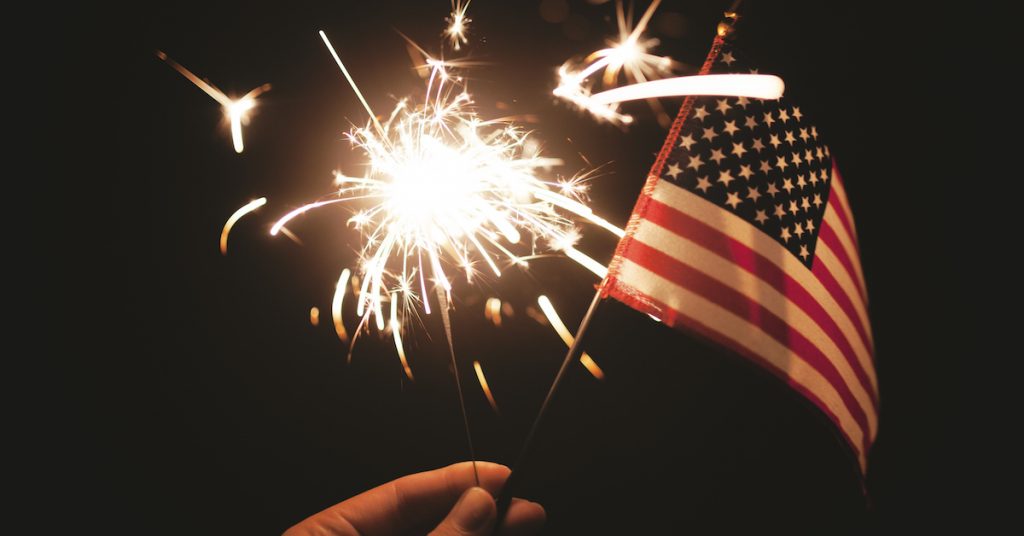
757 290
748 335
744 233
839 191
828 259
832 219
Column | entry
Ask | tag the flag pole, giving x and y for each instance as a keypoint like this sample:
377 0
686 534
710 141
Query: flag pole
723 32
520 466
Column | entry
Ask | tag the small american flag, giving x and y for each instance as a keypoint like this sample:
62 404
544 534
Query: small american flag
743 235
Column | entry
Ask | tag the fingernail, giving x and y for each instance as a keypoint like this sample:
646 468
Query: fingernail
474 509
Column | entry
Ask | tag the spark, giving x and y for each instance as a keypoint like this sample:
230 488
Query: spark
314 316
567 338
236 110
483 385
337 302
446 191
396 331
245 209
492 311
458 24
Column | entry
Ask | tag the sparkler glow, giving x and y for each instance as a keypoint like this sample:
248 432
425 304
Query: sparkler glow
458 24
483 385
236 110
448 188
566 335
233 219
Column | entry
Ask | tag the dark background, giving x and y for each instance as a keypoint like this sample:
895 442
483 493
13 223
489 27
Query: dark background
192 395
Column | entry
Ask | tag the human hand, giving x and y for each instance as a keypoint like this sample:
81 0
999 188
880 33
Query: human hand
414 504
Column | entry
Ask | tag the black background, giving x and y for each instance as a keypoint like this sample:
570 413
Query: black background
190 394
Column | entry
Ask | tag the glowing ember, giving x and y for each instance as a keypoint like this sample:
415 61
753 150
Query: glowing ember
314 316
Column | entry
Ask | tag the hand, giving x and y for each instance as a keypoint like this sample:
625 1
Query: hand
415 503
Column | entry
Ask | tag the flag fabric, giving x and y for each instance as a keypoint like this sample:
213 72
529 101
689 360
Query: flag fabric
743 234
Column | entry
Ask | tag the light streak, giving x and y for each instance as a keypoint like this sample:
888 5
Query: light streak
567 338
233 219
483 385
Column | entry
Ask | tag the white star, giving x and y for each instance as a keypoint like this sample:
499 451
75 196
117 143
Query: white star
783 115
796 159
785 234
817 200
793 208
758 145
700 113
703 184
742 101
753 194
808 155
723 106
824 174
727 58
799 230
725 177
686 141
800 181
779 212
768 119
826 151
814 178
709 134
804 204
673 170
810 226
804 135
765 166
774 141
814 132
738 150
717 156
780 163
803 252
695 162
730 127
750 122
733 200
761 217
746 172
796 113
789 137
772 189
818 153
787 185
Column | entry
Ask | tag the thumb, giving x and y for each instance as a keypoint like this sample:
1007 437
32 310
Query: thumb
473 515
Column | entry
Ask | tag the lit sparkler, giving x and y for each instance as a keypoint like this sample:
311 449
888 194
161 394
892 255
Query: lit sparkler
458 24
236 110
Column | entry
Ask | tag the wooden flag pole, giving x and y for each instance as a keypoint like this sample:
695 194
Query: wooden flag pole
520 466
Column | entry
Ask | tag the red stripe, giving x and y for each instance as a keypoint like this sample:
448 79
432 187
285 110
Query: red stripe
844 301
842 211
733 301
678 320
828 235
728 248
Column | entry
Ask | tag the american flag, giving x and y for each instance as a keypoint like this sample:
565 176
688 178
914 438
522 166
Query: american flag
743 234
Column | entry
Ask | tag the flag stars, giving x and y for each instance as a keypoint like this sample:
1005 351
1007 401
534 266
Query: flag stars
803 252
780 162
730 127
732 200
814 178
819 154
703 184
765 166
789 137
808 156
700 112
814 132
727 58
800 181
787 185
717 155
785 234
796 159
798 230
738 150
772 189
758 145
779 211
783 115
768 119
774 141
817 201
742 102
804 135
761 217
723 106
753 194
796 113
687 141
804 204
709 134
673 170
695 162
810 226
793 208
725 177
746 172
750 122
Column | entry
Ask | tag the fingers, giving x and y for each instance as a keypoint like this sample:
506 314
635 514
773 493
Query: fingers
523 518
473 515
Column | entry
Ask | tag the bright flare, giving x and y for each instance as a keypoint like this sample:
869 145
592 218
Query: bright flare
236 110
458 24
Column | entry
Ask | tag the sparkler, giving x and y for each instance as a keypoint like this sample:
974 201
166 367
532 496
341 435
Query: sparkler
458 24
236 110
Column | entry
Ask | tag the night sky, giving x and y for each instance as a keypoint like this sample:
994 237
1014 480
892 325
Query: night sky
192 395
